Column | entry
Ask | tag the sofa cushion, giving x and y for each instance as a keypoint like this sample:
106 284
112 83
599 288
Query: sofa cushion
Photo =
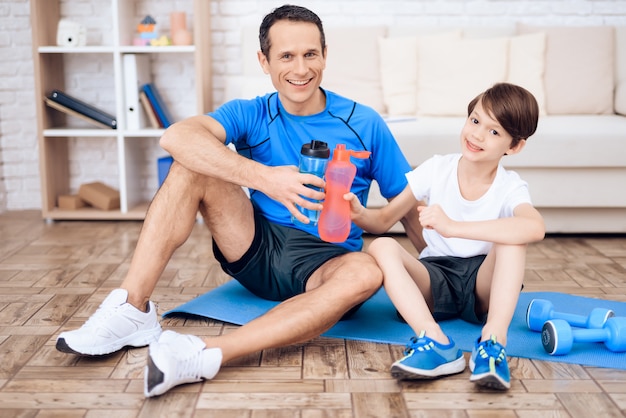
352 65
398 73
620 70
247 87
451 73
399 70
527 65
579 74
399 67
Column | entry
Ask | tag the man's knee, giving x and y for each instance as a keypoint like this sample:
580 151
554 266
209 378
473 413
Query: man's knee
362 278
362 273
354 274
181 174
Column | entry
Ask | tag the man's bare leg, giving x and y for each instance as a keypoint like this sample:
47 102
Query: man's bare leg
338 285
171 218
332 290
126 317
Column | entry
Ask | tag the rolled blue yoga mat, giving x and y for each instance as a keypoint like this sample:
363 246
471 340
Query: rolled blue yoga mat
376 321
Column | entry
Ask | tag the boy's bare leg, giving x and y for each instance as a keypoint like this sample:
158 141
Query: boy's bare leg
407 284
498 286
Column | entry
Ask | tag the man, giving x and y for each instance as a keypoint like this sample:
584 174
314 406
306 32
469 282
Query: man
254 238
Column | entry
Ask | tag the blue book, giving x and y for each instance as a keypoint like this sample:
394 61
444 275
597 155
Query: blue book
162 113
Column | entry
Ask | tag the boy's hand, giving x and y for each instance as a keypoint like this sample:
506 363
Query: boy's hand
356 208
433 217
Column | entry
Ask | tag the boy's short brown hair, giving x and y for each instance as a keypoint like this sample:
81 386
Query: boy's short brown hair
514 107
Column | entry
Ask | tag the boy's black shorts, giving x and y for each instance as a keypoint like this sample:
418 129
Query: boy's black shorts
453 284
280 260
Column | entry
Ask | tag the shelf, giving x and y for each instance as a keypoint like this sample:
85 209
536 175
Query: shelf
79 132
144 133
70 153
76 50
126 49
100 133
157 49
89 213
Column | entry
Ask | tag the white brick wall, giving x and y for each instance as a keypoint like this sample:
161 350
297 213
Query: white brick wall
19 172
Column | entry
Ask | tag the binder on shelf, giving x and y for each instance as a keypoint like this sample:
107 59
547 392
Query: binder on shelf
161 111
148 110
163 167
136 73
75 107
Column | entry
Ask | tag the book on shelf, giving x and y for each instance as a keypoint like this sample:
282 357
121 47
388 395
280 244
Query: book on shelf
162 113
75 107
149 111
136 72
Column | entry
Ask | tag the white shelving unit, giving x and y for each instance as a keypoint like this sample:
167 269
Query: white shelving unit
56 132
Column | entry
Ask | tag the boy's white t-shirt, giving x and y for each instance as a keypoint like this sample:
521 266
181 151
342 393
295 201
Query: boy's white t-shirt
435 182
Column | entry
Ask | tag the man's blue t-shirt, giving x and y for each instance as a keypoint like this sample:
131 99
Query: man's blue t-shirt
263 131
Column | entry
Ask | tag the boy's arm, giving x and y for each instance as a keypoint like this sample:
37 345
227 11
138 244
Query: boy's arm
378 221
525 226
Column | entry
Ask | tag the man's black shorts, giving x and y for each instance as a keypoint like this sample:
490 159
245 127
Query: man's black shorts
280 260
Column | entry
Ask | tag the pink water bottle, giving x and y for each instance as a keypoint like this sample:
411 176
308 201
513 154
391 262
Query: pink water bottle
334 224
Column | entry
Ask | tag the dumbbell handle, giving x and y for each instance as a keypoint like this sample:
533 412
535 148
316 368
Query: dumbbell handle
574 320
590 335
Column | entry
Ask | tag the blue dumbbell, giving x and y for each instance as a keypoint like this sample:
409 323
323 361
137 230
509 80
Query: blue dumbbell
540 310
557 336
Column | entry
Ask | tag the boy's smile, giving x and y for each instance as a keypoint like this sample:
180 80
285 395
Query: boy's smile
484 139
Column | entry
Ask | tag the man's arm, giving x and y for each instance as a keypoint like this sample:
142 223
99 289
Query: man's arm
198 144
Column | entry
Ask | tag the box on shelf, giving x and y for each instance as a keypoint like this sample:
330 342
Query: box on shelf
100 195
70 202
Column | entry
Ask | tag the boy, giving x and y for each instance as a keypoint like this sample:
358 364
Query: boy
477 223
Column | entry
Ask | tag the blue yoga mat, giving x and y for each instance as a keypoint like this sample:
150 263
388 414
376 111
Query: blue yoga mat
376 321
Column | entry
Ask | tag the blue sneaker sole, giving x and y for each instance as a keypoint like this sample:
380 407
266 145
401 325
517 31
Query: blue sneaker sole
490 381
402 372
487 380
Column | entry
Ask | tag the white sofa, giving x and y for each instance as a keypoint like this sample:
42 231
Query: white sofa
422 79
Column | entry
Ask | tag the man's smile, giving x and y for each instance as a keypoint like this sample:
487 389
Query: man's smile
300 82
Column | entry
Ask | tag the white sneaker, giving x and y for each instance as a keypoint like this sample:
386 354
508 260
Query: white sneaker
176 359
116 324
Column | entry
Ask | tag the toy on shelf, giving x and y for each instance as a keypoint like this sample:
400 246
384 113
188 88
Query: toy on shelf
540 310
147 34
558 337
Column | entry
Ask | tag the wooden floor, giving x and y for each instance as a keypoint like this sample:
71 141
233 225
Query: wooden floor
53 275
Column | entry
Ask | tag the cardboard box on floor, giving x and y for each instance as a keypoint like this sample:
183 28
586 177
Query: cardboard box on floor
71 202
100 195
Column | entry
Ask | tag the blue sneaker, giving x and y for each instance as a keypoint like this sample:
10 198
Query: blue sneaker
428 359
488 365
